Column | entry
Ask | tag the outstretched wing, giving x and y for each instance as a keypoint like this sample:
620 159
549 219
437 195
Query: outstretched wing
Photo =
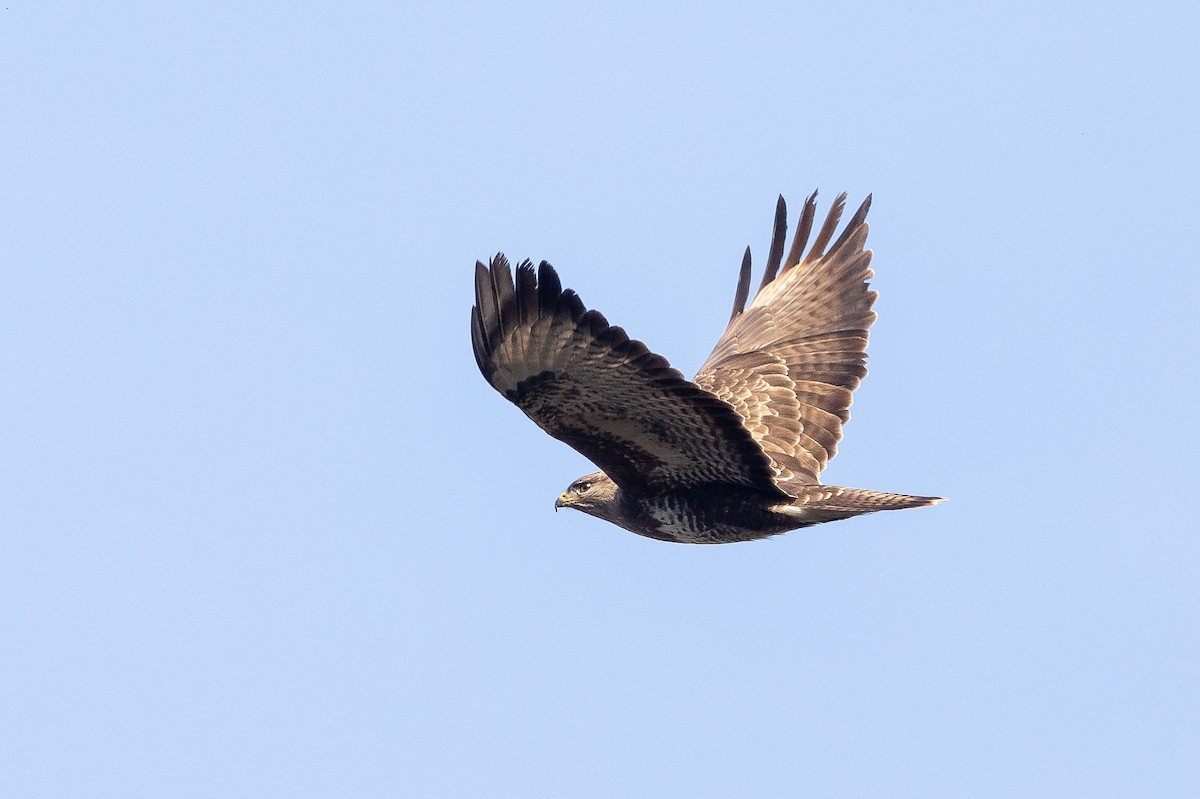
588 384
790 361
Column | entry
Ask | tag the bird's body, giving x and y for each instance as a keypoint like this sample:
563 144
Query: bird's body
732 455
697 515
705 515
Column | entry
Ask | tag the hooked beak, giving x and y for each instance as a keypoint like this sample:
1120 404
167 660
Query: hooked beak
564 501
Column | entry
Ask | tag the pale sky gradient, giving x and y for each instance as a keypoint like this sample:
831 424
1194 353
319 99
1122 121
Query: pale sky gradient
267 532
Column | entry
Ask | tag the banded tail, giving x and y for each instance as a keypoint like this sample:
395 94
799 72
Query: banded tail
829 503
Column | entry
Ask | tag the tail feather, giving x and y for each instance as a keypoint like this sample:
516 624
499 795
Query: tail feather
829 503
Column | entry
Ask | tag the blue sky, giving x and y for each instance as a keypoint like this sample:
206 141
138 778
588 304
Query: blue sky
267 532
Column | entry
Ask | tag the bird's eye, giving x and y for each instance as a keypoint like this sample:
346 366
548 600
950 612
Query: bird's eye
581 487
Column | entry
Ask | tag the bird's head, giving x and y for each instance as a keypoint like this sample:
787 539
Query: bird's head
594 494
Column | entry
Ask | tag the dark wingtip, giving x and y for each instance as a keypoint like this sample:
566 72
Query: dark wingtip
778 236
803 229
485 298
549 286
860 216
743 287
527 293
827 229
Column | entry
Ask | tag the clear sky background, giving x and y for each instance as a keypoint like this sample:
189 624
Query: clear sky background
267 532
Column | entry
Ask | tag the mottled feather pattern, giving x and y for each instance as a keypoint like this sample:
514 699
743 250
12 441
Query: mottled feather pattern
811 317
588 384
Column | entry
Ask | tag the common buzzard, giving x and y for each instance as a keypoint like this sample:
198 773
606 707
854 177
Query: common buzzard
735 453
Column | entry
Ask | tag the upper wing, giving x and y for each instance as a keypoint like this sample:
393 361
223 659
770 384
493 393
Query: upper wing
588 384
789 362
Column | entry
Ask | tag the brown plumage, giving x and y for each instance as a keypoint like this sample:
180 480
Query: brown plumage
734 454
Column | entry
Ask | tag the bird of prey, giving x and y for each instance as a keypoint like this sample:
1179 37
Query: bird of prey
733 454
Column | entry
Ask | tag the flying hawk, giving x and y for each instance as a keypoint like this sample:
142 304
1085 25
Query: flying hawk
733 454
